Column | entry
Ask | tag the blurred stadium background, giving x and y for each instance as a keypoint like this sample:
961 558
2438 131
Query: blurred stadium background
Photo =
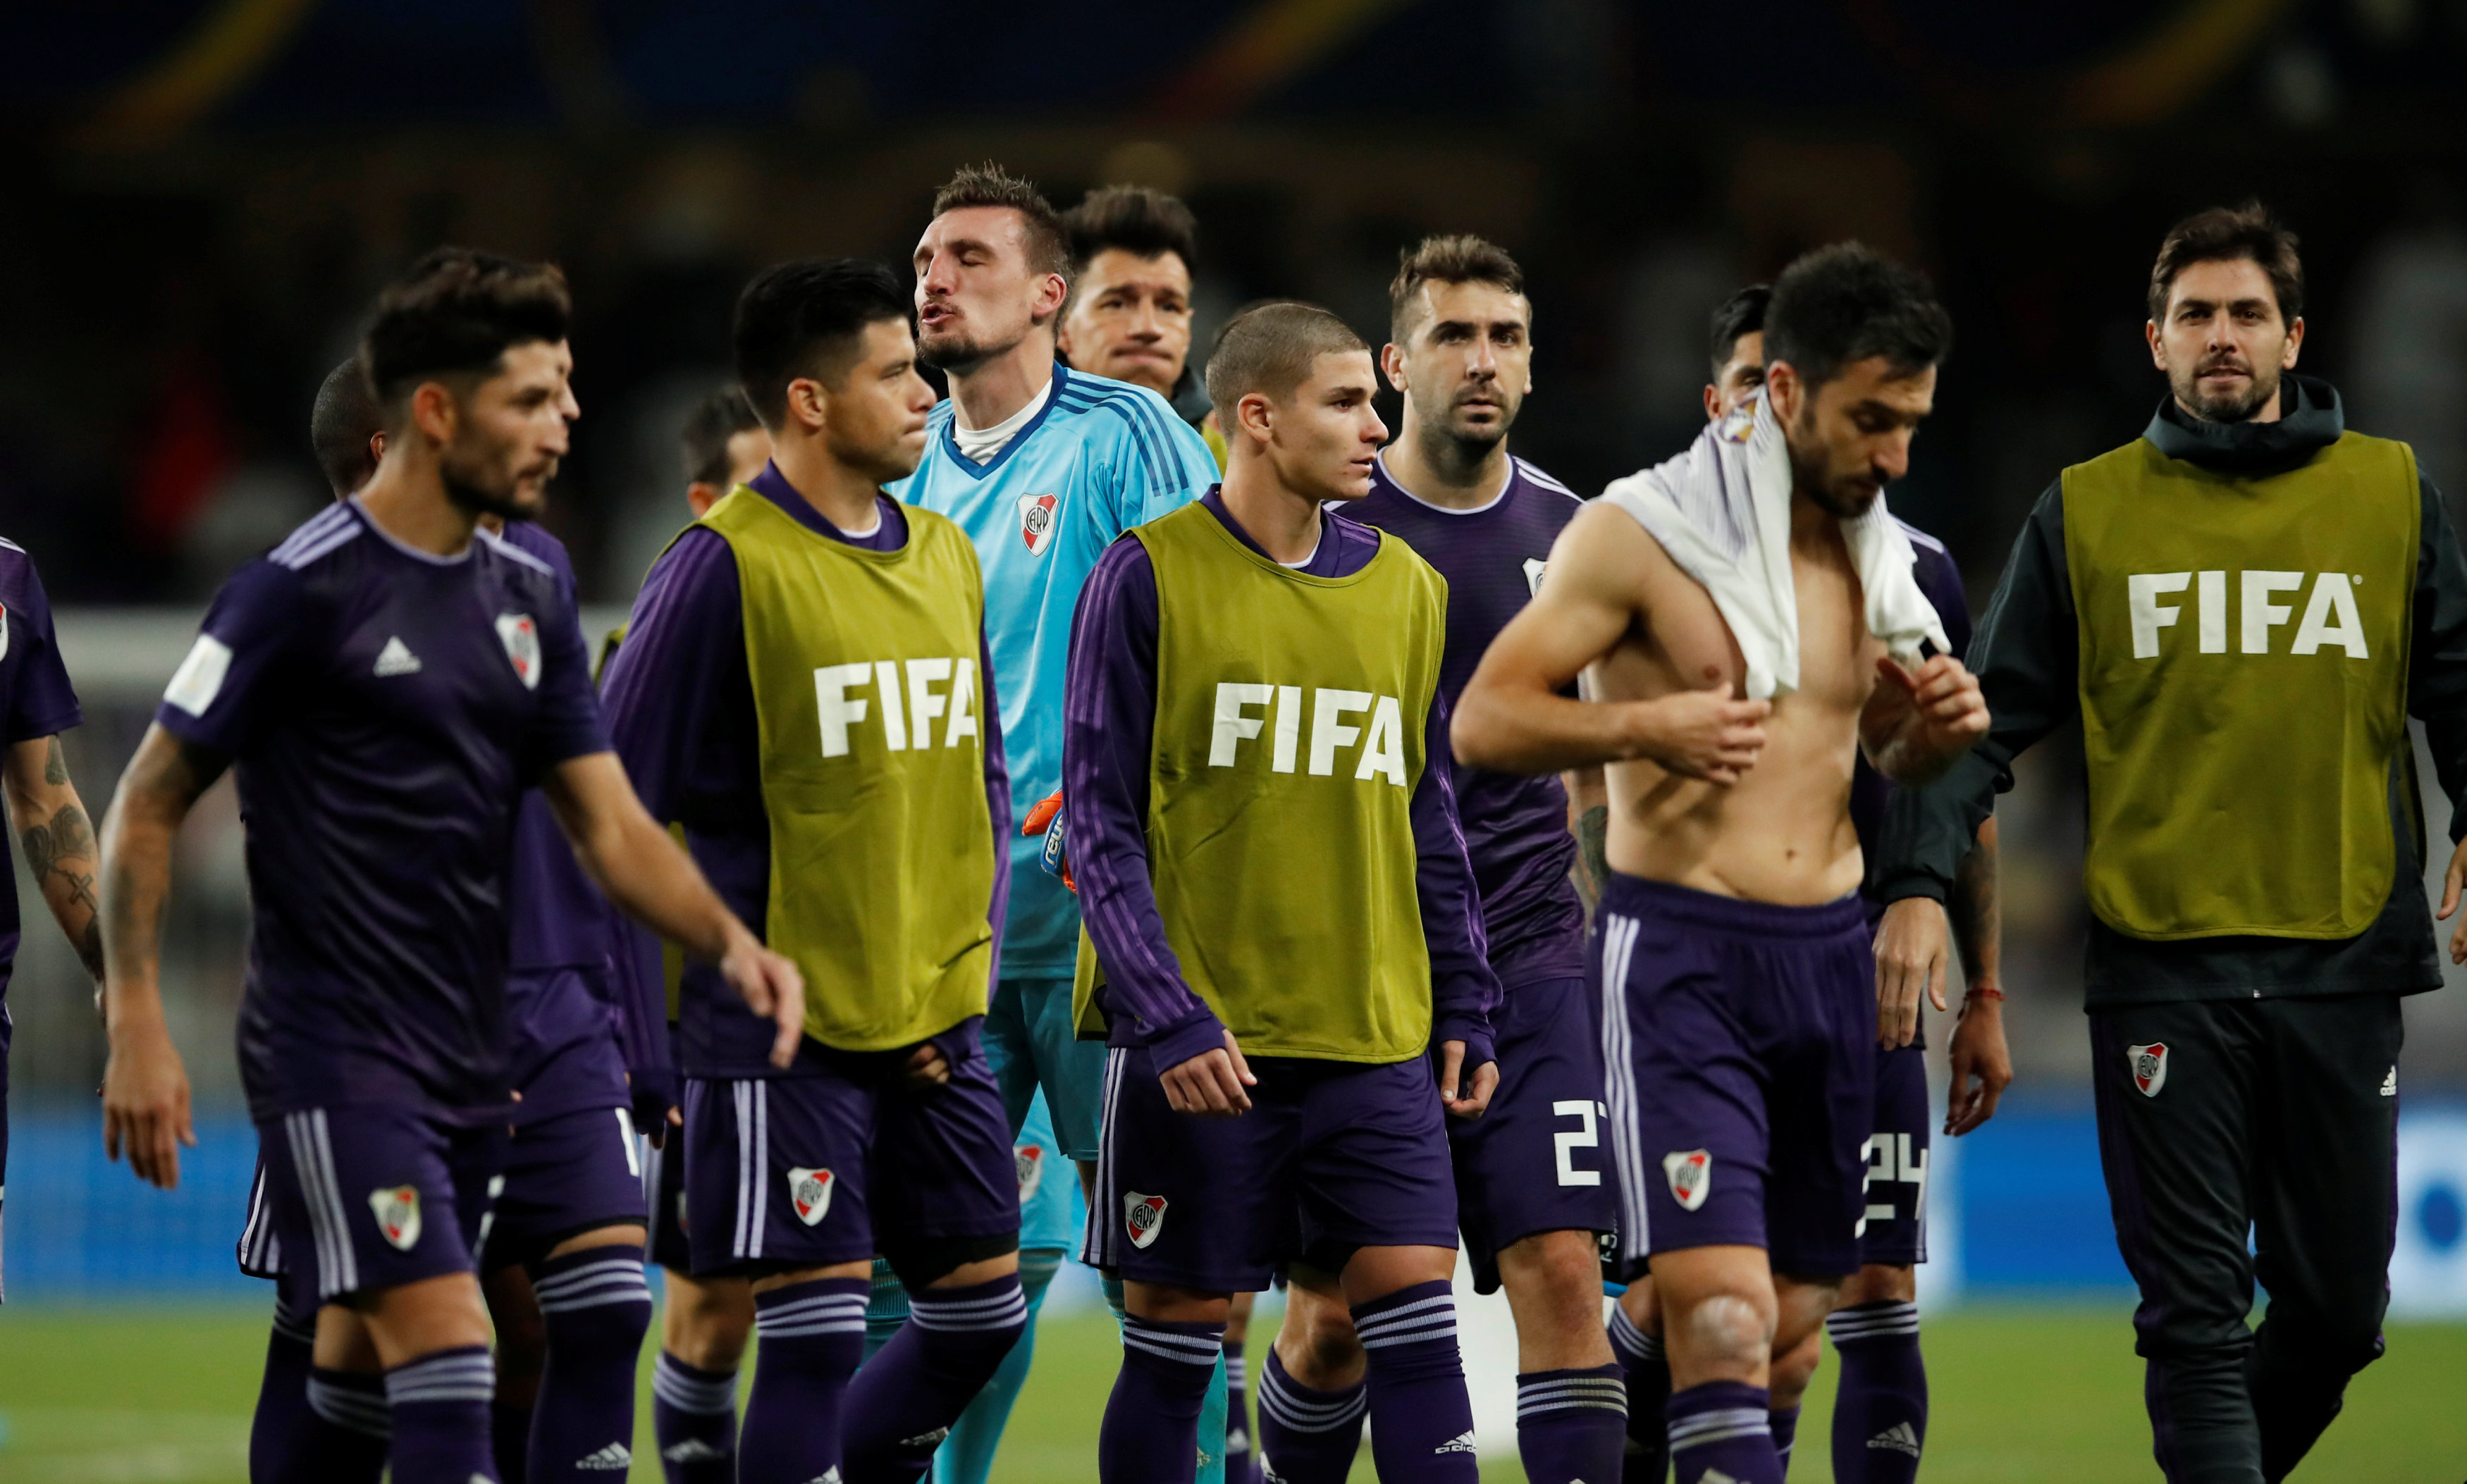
201 196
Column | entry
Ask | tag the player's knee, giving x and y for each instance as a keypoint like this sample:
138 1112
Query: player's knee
707 1323
1878 1283
1317 1342
1730 1331
1565 1266
1793 1369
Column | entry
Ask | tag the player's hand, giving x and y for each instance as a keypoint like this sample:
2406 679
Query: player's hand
1946 711
1211 1084
772 988
657 1134
1477 1096
1705 734
1911 960
145 1103
2452 882
927 1067
1983 1067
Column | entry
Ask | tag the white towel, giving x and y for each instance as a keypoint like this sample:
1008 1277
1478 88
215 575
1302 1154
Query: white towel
1722 510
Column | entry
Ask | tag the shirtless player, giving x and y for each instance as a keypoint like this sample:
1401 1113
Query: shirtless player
1737 976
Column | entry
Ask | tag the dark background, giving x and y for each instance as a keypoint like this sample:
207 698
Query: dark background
198 200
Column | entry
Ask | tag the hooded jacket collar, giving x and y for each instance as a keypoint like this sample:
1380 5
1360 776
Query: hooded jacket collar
2312 422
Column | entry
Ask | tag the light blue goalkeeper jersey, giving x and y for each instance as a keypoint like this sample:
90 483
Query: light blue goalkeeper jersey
1102 457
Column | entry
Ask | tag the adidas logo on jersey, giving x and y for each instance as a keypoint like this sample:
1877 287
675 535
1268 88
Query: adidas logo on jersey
1901 1437
2389 1084
1461 1443
615 1457
396 659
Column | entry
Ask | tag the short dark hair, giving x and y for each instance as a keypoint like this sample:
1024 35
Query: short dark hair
2223 233
1047 240
1743 313
802 317
340 426
1848 302
459 312
1269 347
1462 259
1137 219
720 416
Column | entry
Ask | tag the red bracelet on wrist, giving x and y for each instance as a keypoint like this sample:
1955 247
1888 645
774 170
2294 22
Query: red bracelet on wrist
1983 992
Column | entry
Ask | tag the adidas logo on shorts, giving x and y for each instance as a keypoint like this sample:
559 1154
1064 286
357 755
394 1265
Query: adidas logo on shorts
616 1456
1901 1437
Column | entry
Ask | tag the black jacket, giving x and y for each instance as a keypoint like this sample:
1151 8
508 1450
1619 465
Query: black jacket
2026 654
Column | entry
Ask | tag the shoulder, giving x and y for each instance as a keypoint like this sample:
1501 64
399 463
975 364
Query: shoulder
317 542
1546 489
19 586
522 571
526 539
1117 416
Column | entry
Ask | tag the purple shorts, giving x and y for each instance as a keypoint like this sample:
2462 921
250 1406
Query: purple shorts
566 1175
1739 1044
1332 1156
842 1163
1537 1161
369 1196
664 1185
1895 1233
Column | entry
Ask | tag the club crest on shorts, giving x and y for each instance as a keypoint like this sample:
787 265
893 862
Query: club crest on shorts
1692 1176
809 1191
1029 1161
2149 1066
1036 521
1145 1215
521 637
397 1212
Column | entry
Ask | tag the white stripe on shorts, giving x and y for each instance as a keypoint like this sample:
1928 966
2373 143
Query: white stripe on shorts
1619 1068
312 1162
1097 1248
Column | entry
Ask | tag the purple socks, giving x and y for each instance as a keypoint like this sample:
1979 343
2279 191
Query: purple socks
811 1335
1151 1430
693 1416
439 1404
1572 1424
1307 1436
1722 1430
282 1397
344 1431
1648 1458
1880 1413
1422 1423
1784 1421
595 1306
1240 1468
908 1396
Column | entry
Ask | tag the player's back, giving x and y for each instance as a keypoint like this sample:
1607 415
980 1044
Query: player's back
1515 825
385 708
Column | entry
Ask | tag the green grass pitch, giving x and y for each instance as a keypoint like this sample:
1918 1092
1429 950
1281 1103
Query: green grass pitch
131 1396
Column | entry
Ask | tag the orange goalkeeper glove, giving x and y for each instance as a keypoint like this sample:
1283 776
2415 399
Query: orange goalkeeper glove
1046 819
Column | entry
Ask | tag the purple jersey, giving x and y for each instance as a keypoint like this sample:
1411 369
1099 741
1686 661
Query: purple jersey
681 708
1515 825
36 701
386 708
1941 581
1108 728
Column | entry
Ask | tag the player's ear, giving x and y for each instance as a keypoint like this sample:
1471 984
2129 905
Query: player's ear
434 411
2157 344
1784 390
1254 414
1391 362
808 405
2295 344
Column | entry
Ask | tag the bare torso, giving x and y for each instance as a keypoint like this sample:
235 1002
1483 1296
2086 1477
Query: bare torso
1782 832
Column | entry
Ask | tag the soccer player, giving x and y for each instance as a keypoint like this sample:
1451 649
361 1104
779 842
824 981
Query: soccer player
803 689
704 1322
2246 602
1285 923
388 680
1530 1197
37 705
1880 1413
1132 252
1738 978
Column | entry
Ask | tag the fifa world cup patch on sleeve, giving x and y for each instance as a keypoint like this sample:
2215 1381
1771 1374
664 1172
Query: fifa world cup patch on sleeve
809 1192
2149 1066
199 678
1691 1176
1145 1215
397 1213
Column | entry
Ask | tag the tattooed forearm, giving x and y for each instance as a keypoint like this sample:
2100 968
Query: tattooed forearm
60 855
1593 834
1977 916
56 765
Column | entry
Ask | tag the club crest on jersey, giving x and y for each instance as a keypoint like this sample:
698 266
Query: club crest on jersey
397 1212
1036 521
809 1191
2149 1066
1145 1215
1692 1176
521 637
1029 1161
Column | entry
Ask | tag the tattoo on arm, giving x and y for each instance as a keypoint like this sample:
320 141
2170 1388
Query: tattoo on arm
1592 836
60 855
56 765
1977 916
